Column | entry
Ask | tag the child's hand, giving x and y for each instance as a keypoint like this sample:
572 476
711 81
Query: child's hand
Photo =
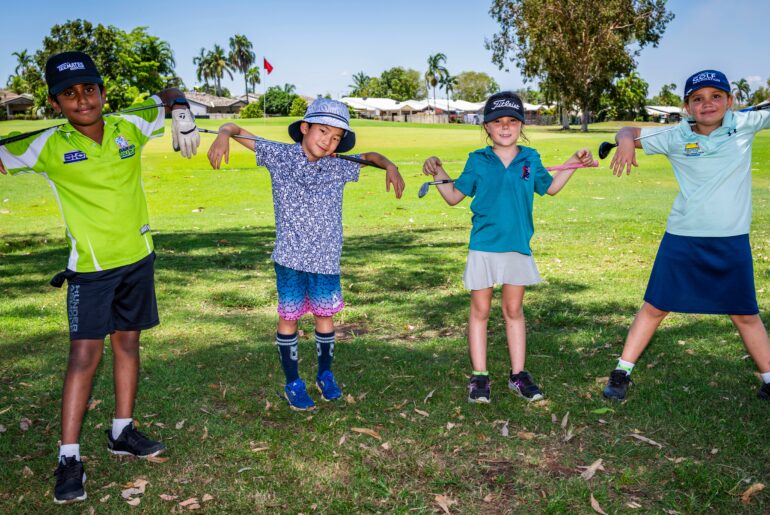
625 157
584 157
393 177
219 149
433 167
2 168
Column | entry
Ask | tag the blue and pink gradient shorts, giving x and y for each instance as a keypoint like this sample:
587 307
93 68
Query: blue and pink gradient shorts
302 292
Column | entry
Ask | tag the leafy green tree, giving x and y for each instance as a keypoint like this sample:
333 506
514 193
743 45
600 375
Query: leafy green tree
667 96
475 86
252 110
448 82
23 61
760 95
253 78
435 72
741 90
289 88
575 48
398 83
17 84
242 57
298 107
218 66
202 66
360 81
278 101
628 97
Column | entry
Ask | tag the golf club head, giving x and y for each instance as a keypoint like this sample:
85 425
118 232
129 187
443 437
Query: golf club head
423 190
605 148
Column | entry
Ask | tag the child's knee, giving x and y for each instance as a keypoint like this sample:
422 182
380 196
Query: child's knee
651 311
745 320
513 311
480 312
83 358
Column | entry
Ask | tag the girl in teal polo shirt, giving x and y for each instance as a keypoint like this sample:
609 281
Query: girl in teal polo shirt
704 262
502 179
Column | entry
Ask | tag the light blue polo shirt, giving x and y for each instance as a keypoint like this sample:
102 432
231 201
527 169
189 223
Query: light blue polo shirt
713 172
502 198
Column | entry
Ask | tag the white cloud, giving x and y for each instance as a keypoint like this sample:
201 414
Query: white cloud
755 81
345 73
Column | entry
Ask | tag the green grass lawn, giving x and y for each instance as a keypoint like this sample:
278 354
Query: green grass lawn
211 379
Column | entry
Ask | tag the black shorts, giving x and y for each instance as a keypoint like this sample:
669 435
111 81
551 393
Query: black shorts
119 299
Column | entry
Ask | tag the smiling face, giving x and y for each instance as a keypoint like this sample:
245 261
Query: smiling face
504 131
320 140
81 104
708 106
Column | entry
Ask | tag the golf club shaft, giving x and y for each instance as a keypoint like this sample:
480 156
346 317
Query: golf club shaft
19 137
557 168
339 156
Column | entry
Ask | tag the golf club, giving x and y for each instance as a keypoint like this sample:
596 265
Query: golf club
339 156
19 137
426 185
606 147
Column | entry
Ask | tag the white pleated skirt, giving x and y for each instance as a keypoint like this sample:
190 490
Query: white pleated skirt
486 269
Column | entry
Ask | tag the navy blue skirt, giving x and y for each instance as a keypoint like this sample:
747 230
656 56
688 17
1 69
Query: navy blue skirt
703 275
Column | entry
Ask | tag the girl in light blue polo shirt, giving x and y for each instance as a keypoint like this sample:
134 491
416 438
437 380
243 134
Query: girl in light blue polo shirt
704 262
502 179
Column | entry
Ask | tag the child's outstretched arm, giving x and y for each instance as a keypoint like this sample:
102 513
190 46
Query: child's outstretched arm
2 168
392 177
560 178
221 146
433 167
625 154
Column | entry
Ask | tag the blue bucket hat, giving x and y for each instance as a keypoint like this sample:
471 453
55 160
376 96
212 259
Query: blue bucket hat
327 112
69 68
706 79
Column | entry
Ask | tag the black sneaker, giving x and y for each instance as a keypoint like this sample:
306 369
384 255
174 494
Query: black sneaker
69 481
764 392
478 389
617 386
133 443
523 384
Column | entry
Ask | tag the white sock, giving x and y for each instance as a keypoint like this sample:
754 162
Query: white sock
118 424
626 366
70 449
766 377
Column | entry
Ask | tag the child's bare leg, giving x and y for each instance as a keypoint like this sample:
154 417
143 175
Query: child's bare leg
515 328
83 359
125 351
754 336
481 301
639 335
324 324
287 326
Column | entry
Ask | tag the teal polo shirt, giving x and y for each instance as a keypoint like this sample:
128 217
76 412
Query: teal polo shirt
713 172
502 198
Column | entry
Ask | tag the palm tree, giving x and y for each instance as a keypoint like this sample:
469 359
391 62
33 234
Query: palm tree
202 70
289 88
219 65
742 90
360 80
23 60
253 78
242 56
448 82
435 72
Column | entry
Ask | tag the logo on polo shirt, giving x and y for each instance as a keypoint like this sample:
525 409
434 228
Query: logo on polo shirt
525 172
692 149
77 65
74 157
125 149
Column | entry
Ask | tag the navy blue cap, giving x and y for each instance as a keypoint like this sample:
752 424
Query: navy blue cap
706 79
70 68
502 104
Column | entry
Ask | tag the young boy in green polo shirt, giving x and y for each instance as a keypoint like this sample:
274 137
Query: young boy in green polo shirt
93 166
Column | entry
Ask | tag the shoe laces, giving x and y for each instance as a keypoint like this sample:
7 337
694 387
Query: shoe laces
479 382
68 469
619 377
133 436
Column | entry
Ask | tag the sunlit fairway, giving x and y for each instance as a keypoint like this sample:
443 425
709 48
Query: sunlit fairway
210 378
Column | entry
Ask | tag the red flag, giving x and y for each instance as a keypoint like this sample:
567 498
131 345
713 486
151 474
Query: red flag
268 67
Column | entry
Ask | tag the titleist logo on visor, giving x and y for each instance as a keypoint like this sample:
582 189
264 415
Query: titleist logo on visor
499 104
71 66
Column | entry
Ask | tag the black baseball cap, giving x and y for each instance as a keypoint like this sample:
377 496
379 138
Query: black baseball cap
69 68
505 103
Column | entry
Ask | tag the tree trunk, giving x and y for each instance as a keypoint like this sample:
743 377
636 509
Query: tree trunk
564 116
585 115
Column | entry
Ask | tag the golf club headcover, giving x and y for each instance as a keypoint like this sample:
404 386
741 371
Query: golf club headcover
184 133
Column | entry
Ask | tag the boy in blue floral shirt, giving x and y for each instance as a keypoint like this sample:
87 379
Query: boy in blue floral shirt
308 184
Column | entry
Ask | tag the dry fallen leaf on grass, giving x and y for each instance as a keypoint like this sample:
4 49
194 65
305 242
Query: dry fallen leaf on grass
167 497
504 430
590 470
385 446
633 505
25 423
488 498
260 449
207 498
157 459
105 498
188 502
554 418
449 426
3 429
350 399
646 440
205 432
342 440
596 506
445 502
365 431
135 501
421 412
751 492
93 403
565 421
180 424
430 394
526 435
27 472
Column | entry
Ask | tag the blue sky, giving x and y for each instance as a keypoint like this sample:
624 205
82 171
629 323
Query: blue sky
318 45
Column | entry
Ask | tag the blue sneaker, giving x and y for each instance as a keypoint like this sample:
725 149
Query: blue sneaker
328 386
296 393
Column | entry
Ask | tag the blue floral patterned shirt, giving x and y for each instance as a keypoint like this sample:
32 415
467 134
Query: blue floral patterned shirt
307 198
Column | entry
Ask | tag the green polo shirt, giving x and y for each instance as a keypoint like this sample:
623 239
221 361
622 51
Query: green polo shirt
503 198
98 187
713 172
